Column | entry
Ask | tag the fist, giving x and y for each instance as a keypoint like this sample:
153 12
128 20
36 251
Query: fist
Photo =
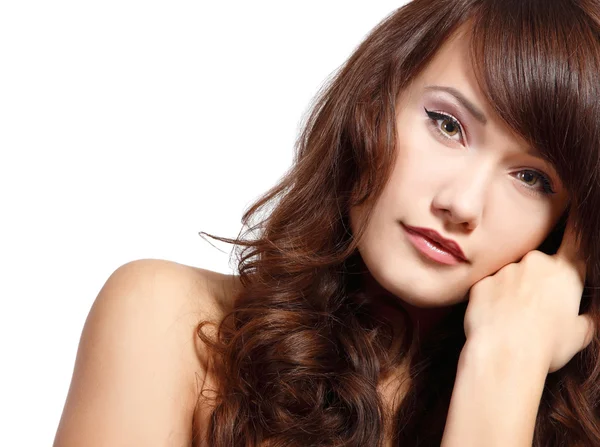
531 307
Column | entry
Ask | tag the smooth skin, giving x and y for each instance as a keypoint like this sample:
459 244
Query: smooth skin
140 366
521 324
473 180
468 176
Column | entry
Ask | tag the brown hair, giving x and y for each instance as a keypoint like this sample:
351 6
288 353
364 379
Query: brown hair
300 356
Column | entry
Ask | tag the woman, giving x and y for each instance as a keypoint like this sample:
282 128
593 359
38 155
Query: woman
410 284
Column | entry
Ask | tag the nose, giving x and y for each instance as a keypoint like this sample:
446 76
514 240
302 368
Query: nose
460 201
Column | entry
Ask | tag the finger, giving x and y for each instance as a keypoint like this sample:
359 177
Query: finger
570 248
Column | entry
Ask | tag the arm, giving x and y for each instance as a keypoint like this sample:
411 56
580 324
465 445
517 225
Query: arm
521 323
495 398
133 381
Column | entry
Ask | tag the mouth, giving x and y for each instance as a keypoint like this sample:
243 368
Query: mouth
434 246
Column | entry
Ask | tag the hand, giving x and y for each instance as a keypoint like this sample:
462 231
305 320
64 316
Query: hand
532 306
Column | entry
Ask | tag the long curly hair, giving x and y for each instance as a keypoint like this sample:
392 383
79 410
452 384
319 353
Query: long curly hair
299 357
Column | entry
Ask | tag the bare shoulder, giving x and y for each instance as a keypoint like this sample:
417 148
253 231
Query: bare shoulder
219 290
138 362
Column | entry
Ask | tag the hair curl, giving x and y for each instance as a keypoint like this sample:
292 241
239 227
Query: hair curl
301 354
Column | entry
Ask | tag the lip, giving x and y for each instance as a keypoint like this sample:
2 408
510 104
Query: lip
449 246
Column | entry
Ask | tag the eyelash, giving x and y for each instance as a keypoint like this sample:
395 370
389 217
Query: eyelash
437 116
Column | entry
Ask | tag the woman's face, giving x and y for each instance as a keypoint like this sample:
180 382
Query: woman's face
461 172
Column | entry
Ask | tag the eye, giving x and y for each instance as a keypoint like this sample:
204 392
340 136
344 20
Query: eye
450 126
536 181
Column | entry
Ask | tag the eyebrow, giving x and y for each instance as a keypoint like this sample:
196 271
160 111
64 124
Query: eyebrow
479 116
473 110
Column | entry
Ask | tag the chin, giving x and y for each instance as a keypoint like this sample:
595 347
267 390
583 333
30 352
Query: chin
427 294
432 302
418 286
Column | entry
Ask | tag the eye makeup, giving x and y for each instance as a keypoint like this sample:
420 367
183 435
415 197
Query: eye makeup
545 184
458 96
439 116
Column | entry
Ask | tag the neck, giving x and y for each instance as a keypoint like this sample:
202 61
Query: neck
393 309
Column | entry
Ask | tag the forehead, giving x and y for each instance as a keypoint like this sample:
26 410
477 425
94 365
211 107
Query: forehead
451 66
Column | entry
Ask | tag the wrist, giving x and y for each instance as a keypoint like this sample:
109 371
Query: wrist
496 396
504 356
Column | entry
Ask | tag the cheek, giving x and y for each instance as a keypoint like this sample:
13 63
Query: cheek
417 172
511 237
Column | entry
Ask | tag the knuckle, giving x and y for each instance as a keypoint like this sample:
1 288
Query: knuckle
534 256
510 267
480 285
506 271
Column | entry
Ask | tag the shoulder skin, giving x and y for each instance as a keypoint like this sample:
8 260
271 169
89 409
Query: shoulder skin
139 361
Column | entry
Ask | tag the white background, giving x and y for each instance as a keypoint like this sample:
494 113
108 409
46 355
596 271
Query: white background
126 127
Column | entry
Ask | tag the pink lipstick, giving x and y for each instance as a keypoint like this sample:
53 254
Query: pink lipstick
434 246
